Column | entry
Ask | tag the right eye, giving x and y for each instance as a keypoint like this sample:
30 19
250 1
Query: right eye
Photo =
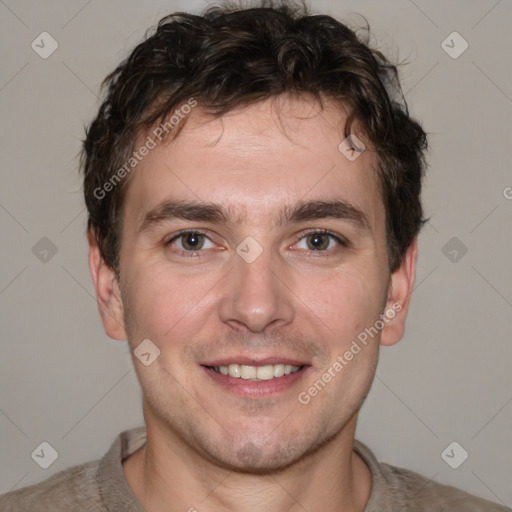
190 241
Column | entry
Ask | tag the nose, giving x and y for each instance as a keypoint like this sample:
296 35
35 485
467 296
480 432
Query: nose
256 296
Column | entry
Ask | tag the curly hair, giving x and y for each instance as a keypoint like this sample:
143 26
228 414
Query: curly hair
231 57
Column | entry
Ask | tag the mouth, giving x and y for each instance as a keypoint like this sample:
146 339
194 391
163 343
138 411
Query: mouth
256 373
256 379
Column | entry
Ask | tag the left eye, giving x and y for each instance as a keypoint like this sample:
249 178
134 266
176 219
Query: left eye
318 241
191 241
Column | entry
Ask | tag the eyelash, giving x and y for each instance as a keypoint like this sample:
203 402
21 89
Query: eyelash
343 242
196 254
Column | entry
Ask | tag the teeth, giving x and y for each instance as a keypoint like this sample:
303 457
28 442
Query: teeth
234 370
278 370
247 372
267 372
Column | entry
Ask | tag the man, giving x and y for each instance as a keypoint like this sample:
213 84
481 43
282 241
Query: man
253 186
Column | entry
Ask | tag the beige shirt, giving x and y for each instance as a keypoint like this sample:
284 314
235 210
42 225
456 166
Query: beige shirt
100 486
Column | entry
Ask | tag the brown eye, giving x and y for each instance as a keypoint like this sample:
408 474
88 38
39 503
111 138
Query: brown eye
192 241
317 241
321 241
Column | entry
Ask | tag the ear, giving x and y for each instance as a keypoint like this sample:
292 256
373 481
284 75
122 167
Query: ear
108 294
399 297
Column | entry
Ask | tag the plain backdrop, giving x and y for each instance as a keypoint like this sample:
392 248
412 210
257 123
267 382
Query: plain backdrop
64 382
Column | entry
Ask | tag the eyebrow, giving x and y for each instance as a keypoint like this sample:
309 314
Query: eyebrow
210 212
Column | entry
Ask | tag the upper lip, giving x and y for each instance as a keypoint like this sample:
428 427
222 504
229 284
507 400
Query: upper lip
253 361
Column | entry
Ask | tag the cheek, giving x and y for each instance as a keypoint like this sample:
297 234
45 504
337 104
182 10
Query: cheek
347 301
162 303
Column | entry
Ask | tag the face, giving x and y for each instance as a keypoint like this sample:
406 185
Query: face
251 245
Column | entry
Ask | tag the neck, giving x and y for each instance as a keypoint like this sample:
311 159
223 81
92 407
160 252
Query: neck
167 475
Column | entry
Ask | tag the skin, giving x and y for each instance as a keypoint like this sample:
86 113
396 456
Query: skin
209 448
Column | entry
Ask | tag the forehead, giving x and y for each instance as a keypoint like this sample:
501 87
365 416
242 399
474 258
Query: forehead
258 158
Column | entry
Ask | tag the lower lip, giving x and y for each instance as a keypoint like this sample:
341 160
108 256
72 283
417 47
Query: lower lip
257 389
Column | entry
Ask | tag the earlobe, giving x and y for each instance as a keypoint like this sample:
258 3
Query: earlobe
108 295
399 297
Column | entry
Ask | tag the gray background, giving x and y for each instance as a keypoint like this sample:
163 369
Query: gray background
63 381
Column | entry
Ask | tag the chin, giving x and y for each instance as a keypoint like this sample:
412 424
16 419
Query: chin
265 456
255 461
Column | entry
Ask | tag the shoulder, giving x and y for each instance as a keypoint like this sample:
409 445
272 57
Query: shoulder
94 486
72 489
421 494
396 488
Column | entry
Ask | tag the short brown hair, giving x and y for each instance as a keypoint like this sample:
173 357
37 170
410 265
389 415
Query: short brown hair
231 57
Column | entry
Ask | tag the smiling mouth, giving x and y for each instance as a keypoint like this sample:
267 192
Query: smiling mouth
256 373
